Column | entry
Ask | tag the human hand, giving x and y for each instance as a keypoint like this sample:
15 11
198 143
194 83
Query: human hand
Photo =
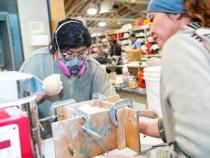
52 84
40 96
149 128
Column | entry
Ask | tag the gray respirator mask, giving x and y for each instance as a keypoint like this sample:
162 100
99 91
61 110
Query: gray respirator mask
75 65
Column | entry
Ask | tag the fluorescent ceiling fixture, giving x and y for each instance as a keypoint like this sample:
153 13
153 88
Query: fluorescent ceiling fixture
108 6
102 24
92 10
105 6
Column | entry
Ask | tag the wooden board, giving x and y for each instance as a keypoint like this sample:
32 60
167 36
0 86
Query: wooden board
106 104
57 12
33 116
113 98
59 110
66 111
132 133
100 103
71 141
121 139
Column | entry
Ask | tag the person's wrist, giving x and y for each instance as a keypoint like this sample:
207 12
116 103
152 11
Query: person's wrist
142 127
40 96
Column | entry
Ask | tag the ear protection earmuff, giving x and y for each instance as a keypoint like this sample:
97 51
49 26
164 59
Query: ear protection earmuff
61 64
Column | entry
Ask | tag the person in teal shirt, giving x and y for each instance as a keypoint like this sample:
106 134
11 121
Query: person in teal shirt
68 55
135 43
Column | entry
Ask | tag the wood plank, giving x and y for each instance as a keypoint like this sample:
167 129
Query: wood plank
59 111
57 12
101 103
33 110
132 133
121 139
102 124
113 98
63 132
71 141
66 110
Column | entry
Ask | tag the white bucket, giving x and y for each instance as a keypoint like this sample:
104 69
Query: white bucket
152 78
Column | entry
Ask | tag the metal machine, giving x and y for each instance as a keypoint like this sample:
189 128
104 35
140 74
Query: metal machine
18 118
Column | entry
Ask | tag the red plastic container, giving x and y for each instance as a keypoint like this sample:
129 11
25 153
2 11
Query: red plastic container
141 79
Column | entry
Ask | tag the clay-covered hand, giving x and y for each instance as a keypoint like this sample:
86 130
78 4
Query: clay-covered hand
52 84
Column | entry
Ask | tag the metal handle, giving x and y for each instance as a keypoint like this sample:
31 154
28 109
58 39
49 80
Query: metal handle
118 105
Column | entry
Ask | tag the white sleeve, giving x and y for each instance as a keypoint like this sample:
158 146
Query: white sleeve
186 82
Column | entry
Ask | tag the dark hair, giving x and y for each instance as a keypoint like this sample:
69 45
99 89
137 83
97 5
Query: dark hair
70 33
114 41
199 10
133 35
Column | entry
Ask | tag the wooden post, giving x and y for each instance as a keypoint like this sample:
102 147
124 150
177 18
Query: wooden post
132 133
57 12
121 140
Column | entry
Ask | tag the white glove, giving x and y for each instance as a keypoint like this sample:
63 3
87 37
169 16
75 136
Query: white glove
52 84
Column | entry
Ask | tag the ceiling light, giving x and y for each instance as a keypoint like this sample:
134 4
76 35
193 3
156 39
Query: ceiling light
92 10
102 24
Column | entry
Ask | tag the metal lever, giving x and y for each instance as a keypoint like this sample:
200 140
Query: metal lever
118 105
99 96
85 116
41 127
91 132
51 118
88 129
53 111
60 104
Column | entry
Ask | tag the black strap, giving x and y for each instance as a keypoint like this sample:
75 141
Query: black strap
194 25
162 130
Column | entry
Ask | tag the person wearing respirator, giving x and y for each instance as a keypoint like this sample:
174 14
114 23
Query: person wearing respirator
67 55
